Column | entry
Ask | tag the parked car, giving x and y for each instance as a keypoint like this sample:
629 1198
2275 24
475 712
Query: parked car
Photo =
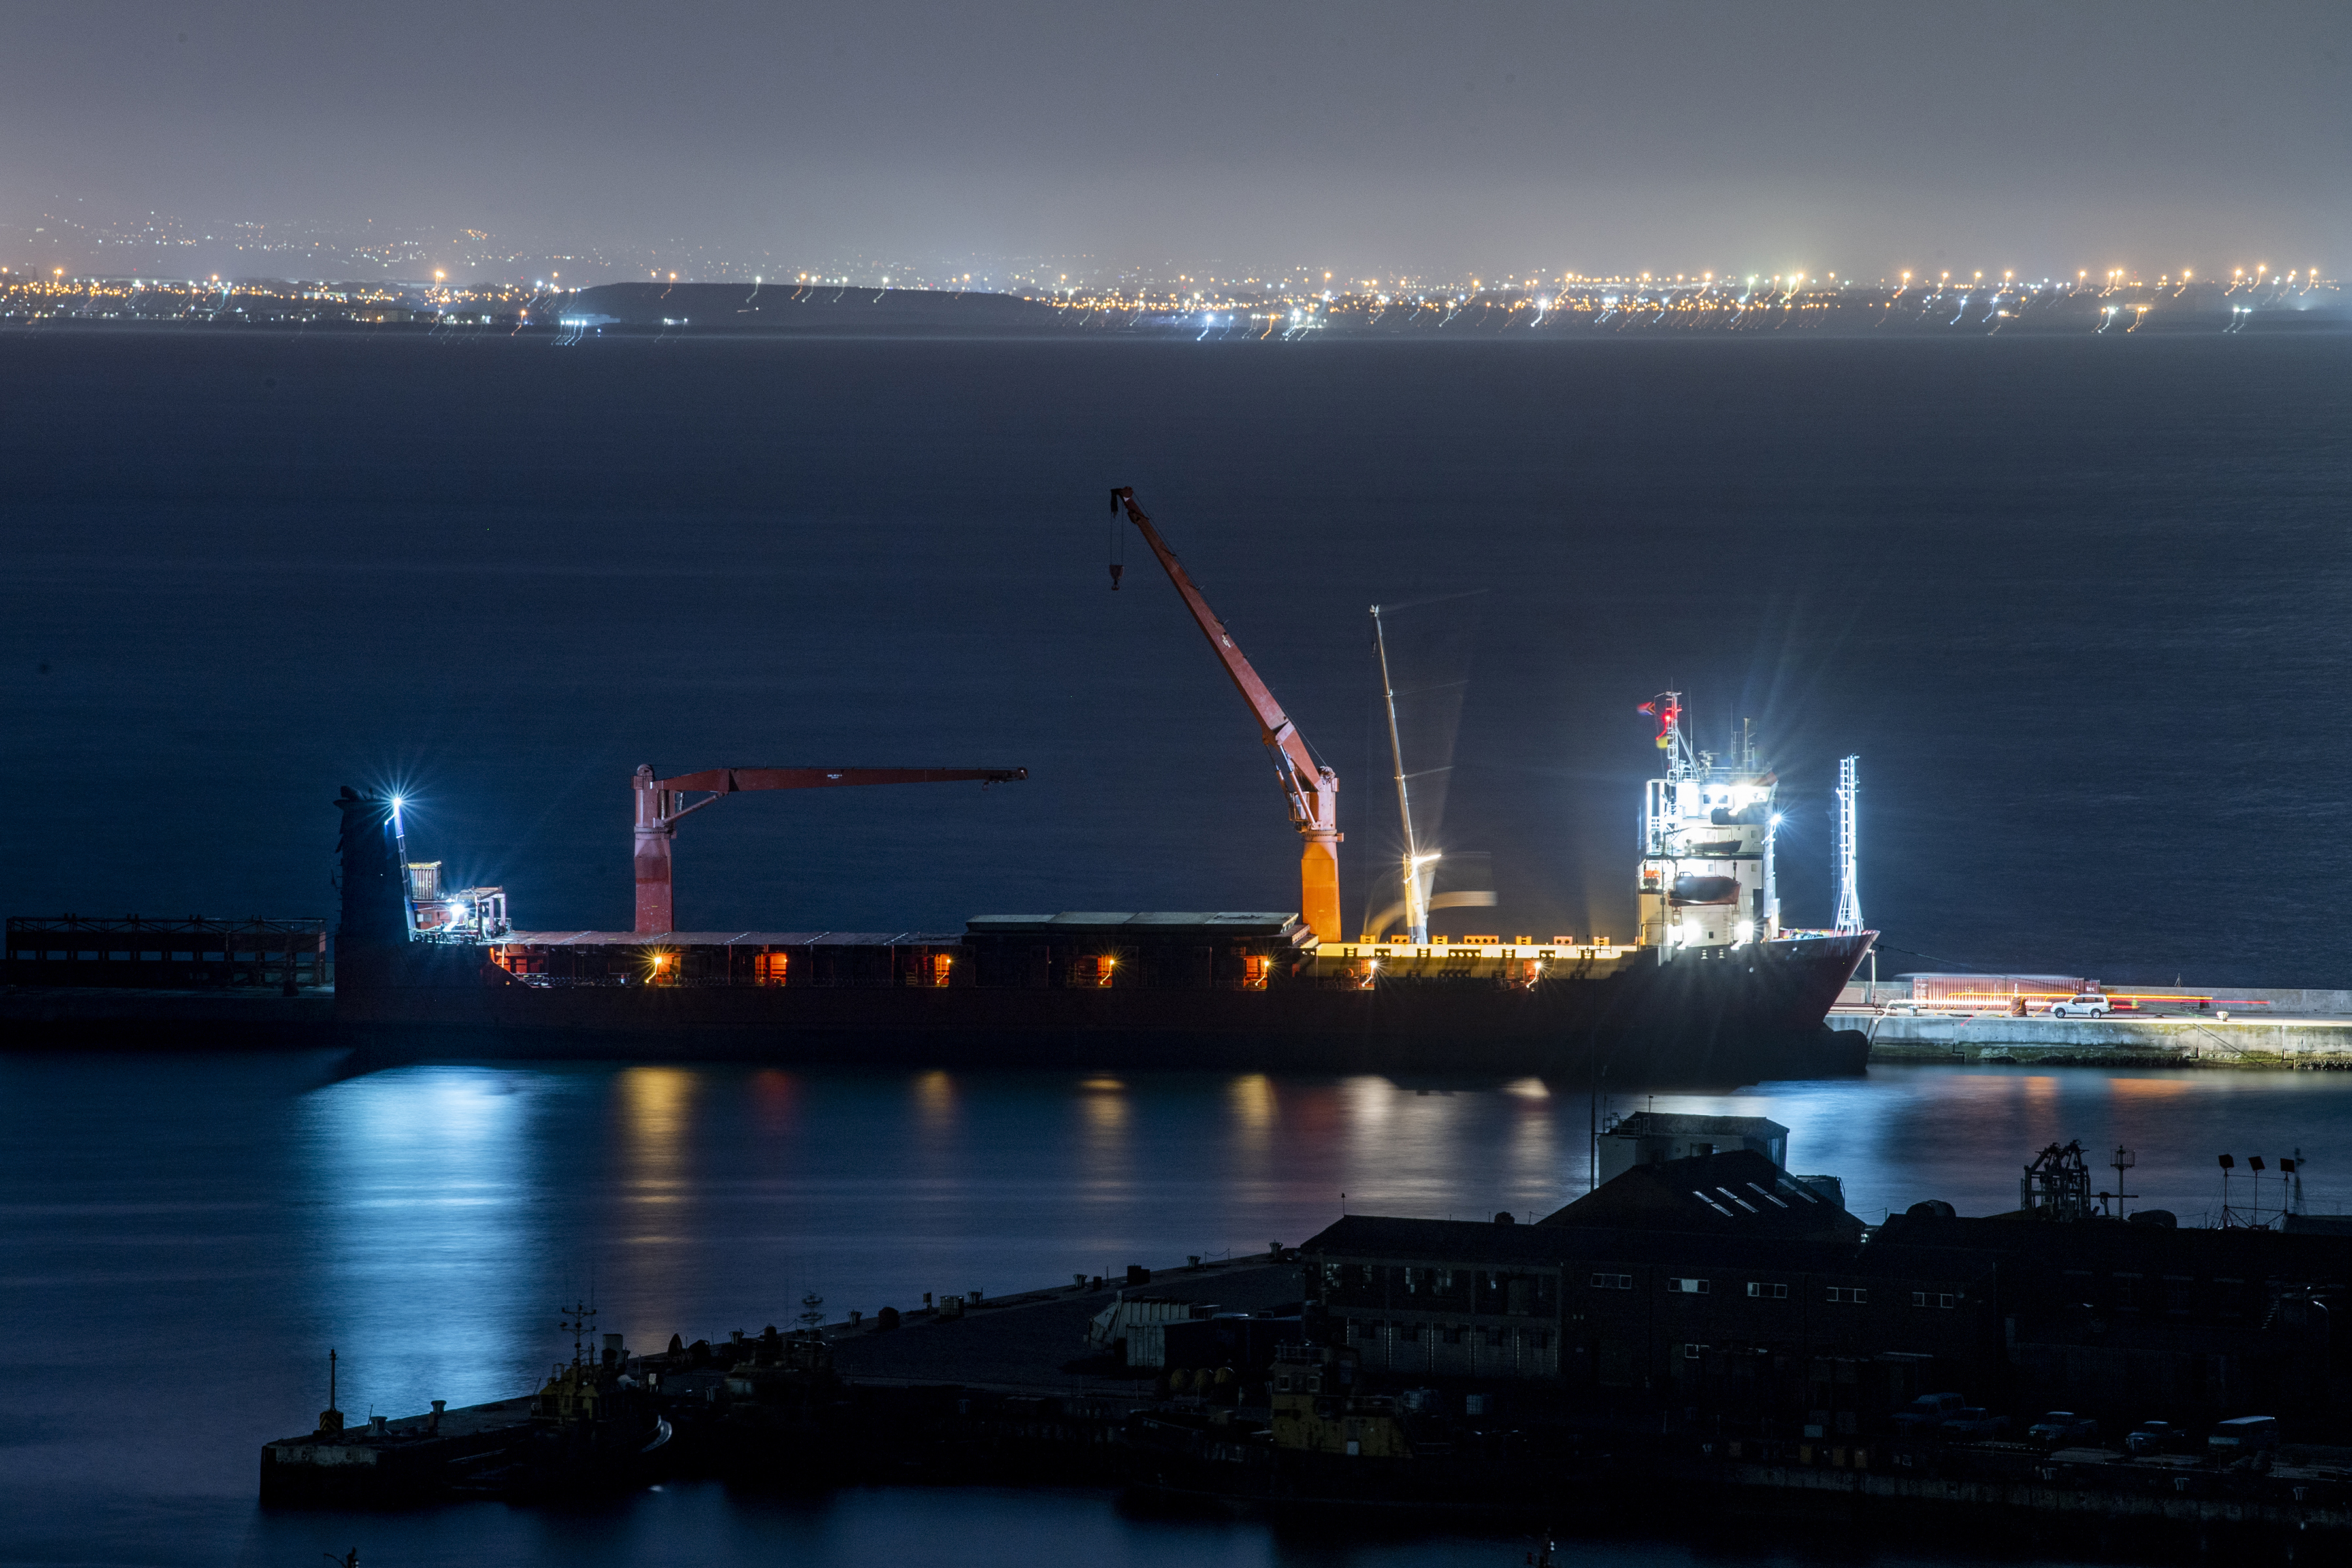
1974 1424
1925 1415
2061 1429
2089 1004
2154 1437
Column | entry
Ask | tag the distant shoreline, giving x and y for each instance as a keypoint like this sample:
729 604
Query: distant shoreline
1592 313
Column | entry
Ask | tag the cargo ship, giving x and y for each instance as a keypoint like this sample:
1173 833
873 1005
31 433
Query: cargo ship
1713 994
1713 991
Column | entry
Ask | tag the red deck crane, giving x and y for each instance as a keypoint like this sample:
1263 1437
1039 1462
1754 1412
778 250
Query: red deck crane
1312 789
658 809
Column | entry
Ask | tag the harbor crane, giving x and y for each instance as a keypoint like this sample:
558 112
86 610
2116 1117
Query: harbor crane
1312 789
661 802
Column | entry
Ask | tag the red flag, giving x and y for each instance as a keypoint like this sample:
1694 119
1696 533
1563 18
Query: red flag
1649 708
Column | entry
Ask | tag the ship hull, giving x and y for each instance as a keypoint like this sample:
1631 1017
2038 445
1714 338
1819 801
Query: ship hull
1752 1014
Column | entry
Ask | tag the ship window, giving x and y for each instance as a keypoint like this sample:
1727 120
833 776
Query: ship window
1256 967
768 968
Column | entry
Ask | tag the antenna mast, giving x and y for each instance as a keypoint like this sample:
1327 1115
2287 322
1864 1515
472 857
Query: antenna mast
577 1323
1849 904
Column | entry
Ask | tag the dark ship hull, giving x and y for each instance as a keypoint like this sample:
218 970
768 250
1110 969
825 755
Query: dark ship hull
1750 1014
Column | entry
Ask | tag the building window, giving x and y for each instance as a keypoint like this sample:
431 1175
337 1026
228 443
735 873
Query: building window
1612 1282
1854 1295
1363 1329
1687 1287
1409 1332
1542 1339
1767 1292
1690 1352
768 968
1454 1334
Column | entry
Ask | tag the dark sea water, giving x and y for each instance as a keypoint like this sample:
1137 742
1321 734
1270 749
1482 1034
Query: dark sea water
182 1238
2079 605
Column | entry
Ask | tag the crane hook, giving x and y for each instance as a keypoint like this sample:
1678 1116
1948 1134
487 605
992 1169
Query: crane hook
1114 570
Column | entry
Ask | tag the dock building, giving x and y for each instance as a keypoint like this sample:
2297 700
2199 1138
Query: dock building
1721 1285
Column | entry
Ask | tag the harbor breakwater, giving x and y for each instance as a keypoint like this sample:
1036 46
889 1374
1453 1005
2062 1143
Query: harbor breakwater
2275 1043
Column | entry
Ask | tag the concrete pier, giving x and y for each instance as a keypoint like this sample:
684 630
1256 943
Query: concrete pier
2143 1038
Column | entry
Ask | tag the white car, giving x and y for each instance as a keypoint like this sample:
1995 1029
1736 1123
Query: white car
2089 1004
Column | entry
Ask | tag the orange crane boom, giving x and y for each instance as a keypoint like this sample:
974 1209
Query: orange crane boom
659 807
1312 789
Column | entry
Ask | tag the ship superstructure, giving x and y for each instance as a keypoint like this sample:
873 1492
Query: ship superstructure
1706 880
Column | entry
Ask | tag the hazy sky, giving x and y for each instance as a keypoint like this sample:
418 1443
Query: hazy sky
1435 137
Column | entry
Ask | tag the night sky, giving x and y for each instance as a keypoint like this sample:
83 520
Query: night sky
1384 138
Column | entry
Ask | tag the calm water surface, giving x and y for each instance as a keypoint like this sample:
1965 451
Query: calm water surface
180 1239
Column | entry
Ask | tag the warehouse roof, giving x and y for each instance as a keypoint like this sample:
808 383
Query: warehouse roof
1739 1193
1484 1245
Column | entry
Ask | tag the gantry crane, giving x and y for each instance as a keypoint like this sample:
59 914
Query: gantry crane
659 807
1312 789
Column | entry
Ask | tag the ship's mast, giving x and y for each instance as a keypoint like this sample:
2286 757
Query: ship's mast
1849 904
1416 902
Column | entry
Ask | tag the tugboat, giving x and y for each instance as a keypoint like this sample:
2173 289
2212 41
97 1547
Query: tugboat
593 1427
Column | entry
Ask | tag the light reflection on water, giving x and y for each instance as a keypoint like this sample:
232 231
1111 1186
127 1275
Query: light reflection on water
427 1187
429 1222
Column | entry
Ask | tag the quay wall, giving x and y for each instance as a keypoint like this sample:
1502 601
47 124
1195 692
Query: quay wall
2280 1002
2191 1041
